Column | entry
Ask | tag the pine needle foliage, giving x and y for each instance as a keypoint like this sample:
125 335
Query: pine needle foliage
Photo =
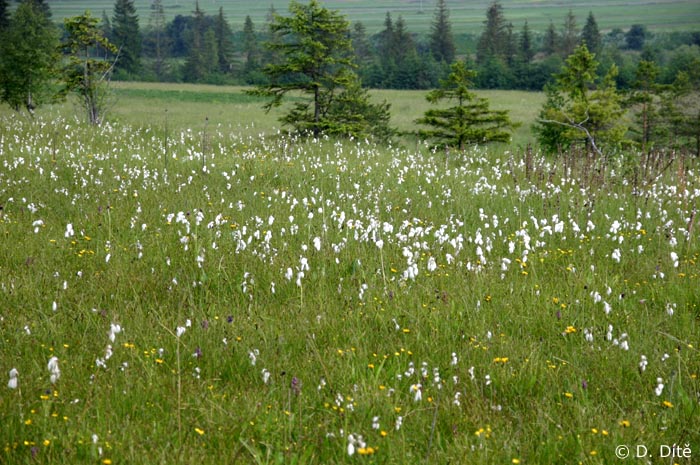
579 111
29 58
317 59
470 121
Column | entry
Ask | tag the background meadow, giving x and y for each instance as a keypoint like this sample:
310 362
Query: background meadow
467 17
222 292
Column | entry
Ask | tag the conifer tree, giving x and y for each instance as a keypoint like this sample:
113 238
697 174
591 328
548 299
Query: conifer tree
522 66
361 44
224 45
43 7
353 114
442 44
579 112
106 26
470 121
526 51
159 46
550 44
28 58
569 36
402 43
385 39
195 67
680 110
590 35
493 42
4 15
126 36
384 70
645 99
270 54
250 47
210 53
316 59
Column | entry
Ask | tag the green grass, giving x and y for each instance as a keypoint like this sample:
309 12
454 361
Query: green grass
515 267
183 106
190 106
663 15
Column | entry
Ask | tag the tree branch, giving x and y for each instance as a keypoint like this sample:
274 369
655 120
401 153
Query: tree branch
579 126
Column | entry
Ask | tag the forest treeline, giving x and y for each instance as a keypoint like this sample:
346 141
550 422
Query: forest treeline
204 48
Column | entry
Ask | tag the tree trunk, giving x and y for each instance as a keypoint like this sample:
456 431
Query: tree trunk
317 110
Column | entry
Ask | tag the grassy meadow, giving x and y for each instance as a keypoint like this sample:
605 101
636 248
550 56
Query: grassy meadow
182 106
466 17
222 293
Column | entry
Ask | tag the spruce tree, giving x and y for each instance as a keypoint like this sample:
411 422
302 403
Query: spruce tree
402 43
126 36
470 121
4 15
590 35
579 112
522 68
644 99
550 44
270 54
361 45
250 47
316 59
384 70
28 58
493 42
385 39
570 35
511 45
680 110
43 7
442 44
526 51
106 26
195 67
159 45
352 114
210 53
224 45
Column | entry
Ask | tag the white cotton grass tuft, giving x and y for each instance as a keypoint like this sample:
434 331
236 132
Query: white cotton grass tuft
14 382
114 329
54 370
659 389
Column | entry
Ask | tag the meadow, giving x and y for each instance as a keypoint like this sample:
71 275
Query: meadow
466 17
182 106
219 292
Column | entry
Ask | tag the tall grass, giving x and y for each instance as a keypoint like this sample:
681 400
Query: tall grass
219 297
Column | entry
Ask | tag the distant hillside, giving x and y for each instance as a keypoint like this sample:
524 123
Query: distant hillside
466 16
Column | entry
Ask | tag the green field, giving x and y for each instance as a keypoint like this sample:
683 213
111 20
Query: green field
467 17
182 106
219 293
